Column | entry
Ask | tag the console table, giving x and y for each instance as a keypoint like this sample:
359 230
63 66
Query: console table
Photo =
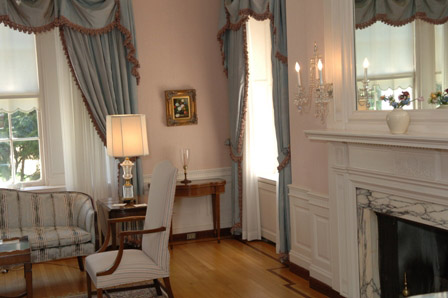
197 188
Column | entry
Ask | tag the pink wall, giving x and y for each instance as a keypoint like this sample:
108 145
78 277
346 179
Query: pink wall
177 49
309 158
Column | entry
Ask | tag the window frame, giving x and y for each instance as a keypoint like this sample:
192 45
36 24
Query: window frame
40 131
49 114
340 56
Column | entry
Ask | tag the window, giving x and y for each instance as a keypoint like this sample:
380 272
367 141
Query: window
20 133
405 58
260 111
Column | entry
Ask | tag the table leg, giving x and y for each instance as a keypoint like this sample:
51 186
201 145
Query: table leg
218 216
214 214
29 279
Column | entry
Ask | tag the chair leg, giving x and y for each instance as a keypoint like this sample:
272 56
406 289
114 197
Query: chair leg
81 264
99 293
157 286
166 280
89 285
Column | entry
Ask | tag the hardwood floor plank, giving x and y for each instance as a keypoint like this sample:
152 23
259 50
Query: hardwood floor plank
198 269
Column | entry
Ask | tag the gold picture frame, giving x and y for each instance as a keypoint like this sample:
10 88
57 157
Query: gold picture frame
181 107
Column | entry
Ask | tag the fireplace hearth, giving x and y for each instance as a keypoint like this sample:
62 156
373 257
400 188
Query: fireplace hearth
414 249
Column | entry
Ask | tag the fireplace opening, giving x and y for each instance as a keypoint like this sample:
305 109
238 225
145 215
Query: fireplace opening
414 249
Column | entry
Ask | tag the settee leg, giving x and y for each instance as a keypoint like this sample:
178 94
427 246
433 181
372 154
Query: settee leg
81 264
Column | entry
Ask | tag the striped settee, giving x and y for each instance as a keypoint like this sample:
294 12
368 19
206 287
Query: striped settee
58 224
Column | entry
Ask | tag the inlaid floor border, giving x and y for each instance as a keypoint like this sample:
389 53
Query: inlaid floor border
290 283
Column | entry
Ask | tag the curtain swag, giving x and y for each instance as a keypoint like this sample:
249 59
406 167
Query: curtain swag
399 12
100 17
43 15
235 17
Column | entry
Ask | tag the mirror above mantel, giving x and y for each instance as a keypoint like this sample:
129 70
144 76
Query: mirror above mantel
400 45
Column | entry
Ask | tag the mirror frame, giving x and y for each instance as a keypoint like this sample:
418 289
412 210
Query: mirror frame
340 56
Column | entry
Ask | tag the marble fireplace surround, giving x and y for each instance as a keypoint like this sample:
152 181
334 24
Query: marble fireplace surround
370 202
401 175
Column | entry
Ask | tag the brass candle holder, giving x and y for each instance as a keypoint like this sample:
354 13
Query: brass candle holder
186 181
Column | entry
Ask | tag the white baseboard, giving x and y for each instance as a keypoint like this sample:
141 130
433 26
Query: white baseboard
321 275
271 236
300 260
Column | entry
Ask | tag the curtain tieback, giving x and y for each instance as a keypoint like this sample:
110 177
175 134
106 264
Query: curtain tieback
235 158
286 160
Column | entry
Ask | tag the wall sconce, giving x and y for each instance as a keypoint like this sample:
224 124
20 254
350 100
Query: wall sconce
319 92
364 91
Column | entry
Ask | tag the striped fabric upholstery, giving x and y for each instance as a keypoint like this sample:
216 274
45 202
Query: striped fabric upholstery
58 225
153 261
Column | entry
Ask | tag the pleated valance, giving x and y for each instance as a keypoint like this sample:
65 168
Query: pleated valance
399 12
90 17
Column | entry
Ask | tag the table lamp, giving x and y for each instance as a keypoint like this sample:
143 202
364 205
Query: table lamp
126 137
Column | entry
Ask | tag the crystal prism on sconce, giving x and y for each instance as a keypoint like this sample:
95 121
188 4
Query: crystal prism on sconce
319 92
300 98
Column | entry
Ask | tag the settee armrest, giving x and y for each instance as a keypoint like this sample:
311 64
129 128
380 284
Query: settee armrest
90 224
85 217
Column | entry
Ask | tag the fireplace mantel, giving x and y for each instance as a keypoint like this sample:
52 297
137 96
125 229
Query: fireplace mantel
376 138
412 166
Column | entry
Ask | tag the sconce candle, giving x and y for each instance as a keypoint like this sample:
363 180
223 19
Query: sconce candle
299 80
319 66
365 64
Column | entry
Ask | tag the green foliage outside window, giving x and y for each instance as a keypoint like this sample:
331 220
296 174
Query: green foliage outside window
25 144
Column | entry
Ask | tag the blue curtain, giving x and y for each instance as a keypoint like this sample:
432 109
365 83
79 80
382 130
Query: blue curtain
232 37
99 41
280 97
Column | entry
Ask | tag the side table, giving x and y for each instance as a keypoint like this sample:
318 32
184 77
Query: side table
17 251
200 188
197 188
107 210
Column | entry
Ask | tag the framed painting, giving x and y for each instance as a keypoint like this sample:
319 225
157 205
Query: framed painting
181 107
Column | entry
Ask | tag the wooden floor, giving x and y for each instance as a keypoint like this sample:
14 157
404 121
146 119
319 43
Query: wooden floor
199 269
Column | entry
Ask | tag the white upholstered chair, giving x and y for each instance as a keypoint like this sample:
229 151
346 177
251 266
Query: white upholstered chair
115 268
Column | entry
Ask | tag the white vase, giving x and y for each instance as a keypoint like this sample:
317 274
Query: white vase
398 121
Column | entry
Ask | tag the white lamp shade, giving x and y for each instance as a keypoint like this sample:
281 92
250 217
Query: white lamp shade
126 135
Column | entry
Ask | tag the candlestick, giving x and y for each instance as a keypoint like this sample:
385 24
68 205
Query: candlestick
299 79
365 65
185 159
319 66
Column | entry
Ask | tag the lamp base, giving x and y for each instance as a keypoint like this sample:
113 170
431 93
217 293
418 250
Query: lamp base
128 192
185 181
128 201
